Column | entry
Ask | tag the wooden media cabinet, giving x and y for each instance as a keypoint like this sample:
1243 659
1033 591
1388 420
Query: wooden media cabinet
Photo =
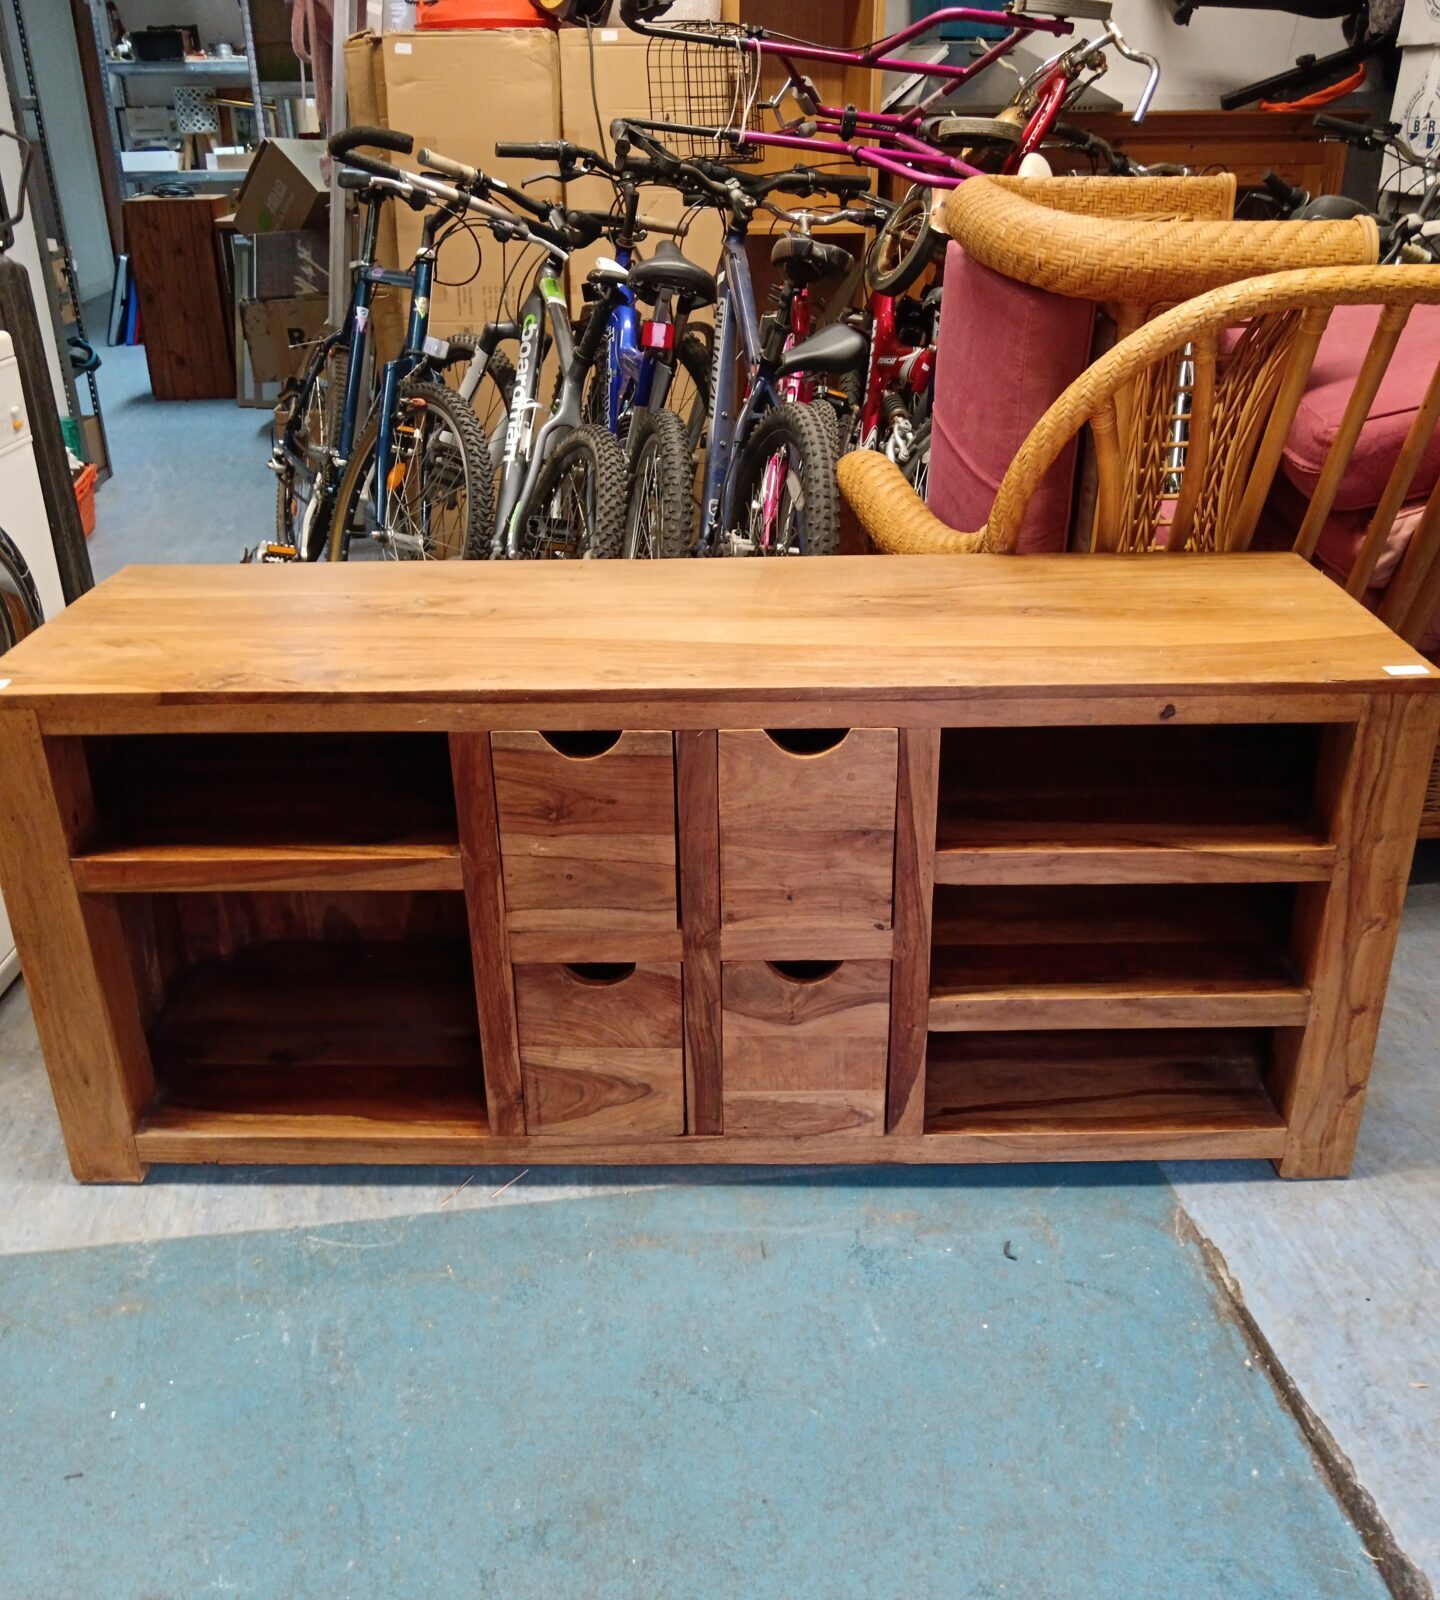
939 859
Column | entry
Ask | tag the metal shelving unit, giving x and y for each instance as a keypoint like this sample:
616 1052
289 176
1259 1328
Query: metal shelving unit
214 72
29 118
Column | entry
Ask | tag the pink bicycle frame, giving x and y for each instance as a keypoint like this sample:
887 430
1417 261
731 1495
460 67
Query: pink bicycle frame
889 141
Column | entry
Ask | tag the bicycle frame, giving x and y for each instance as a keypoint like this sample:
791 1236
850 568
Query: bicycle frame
893 368
737 331
524 453
909 155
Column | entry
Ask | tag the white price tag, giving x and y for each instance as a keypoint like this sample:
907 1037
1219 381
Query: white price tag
1409 670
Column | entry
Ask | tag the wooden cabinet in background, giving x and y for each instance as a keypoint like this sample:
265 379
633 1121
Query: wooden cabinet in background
185 320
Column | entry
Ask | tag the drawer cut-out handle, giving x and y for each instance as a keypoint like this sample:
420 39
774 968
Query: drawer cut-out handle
807 741
582 744
804 971
601 972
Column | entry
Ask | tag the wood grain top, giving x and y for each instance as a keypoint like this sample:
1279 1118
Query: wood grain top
857 627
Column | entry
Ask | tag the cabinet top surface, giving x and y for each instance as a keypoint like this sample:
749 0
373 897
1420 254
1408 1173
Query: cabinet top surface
919 627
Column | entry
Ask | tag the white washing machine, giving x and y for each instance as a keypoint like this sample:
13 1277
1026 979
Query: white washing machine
23 519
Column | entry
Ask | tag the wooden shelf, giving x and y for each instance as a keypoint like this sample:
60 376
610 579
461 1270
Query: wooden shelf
999 851
1147 1087
1121 956
141 868
270 812
1130 805
306 1040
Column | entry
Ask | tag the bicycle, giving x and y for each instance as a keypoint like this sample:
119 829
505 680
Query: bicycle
634 389
426 508
1412 235
773 455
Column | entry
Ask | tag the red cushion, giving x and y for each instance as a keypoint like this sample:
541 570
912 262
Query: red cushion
1332 379
1006 351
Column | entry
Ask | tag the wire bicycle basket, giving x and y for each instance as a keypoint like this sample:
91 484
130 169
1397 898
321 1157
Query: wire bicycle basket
698 81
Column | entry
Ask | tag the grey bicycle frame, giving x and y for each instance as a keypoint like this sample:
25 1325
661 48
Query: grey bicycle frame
734 301
524 454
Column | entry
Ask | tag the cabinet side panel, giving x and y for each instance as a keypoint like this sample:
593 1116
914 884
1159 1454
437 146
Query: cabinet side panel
489 943
917 802
1372 785
697 783
72 952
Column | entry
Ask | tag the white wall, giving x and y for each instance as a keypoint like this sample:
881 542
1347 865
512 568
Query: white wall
27 252
72 150
1217 50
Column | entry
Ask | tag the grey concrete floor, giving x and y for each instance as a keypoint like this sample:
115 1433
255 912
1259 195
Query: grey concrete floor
1343 1278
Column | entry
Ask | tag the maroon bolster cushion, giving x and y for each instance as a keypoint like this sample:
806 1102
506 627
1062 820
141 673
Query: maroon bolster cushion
1006 352
1402 389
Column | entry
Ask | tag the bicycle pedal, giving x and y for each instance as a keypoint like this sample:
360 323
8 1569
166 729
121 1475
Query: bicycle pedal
273 554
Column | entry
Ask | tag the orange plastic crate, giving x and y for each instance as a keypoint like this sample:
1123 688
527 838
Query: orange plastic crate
85 498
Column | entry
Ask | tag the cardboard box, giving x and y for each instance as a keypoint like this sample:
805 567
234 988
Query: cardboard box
458 93
1420 23
291 264
1416 107
279 334
622 87
285 189
150 161
364 81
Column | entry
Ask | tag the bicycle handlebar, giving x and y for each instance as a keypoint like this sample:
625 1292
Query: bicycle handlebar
341 144
1352 132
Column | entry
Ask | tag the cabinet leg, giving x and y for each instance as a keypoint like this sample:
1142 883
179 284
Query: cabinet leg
1372 788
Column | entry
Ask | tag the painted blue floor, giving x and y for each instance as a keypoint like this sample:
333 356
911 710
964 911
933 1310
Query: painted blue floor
189 483
834 1386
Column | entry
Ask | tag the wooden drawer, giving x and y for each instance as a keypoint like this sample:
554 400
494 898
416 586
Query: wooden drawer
807 842
601 1048
587 843
805 1046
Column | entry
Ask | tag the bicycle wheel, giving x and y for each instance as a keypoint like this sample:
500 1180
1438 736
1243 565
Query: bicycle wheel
491 400
302 489
660 516
917 463
689 395
441 487
785 488
20 610
905 245
577 511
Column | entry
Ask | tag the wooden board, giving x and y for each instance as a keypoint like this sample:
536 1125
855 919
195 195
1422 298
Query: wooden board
807 843
946 640
184 315
601 1057
805 1054
1201 1082
588 846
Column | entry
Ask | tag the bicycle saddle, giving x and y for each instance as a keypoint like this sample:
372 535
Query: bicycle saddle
838 348
965 131
805 259
691 284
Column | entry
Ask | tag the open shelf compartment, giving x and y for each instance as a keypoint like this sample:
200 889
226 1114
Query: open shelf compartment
1155 803
332 1016
1042 956
1122 1093
207 811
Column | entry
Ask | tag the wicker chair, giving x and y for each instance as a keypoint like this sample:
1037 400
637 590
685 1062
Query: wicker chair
1232 360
